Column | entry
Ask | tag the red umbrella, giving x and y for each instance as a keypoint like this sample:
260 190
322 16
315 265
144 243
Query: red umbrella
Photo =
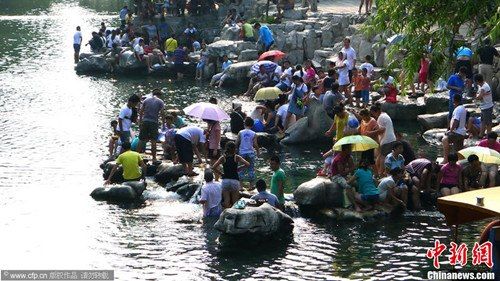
273 55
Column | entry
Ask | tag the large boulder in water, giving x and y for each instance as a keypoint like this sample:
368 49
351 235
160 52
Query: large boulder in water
432 121
221 48
127 192
309 128
117 176
93 64
263 221
239 71
404 109
438 102
318 193
168 172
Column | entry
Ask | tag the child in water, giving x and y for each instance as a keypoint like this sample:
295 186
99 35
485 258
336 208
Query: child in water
114 138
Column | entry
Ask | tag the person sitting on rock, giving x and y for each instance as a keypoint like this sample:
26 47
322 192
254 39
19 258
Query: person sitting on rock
342 165
395 159
170 46
263 196
188 141
266 38
389 89
96 44
368 194
132 164
457 132
249 150
491 170
140 55
153 51
113 55
230 162
220 77
473 174
285 80
389 191
450 176
211 196
423 174
259 80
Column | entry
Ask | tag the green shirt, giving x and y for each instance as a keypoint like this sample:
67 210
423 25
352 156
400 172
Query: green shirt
130 161
278 175
247 30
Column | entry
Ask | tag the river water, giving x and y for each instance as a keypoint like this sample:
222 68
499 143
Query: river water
54 130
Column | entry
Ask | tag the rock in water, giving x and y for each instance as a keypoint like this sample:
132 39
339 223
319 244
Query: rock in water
404 109
318 193
309 128
93 64
187 191
167 172
127 192
117 176
262 221
433 121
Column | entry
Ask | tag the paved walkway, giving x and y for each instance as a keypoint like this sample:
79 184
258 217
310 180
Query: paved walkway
339 6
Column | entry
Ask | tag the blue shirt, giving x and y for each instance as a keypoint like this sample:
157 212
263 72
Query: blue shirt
455 81
123 14
268 197
179 56
392 162
266 36
366 185
464 52
163 30
226 64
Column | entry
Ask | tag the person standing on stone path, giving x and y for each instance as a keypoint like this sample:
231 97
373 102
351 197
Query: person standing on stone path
343 66
125 118
247 31
487 54
134 168
77 43
349 55
266 38
486 105
386 134
456 85
151 110
249 150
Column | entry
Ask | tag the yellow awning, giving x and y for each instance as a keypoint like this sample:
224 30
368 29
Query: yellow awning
462 208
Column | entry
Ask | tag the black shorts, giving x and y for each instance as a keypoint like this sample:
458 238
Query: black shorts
350 75
76 47
184 149
148 131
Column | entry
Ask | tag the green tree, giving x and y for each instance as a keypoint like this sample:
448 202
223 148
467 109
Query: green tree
435 23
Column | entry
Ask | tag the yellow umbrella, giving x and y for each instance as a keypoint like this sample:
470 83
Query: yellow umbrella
486 155
268 93
467 206
359 143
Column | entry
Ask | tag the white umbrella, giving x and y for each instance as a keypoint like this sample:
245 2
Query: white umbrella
207 111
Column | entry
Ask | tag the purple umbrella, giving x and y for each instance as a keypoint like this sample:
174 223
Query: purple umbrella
268 65
207 111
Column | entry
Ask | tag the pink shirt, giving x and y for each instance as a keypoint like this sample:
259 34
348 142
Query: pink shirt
214 136
495 146
450 173
310 74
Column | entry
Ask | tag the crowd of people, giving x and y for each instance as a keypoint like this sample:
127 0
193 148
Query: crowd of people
390 175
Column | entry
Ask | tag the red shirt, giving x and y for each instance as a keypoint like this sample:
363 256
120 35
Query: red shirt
485 143
337 159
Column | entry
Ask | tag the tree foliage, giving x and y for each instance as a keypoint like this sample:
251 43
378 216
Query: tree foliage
434 24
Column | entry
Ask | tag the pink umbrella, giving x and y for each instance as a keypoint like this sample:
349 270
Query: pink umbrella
207 111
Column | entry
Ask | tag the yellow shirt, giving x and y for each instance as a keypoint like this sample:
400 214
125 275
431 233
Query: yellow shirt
130 162
247 29
340 124
170 44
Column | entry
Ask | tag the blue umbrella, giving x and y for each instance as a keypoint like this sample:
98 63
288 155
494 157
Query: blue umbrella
268 65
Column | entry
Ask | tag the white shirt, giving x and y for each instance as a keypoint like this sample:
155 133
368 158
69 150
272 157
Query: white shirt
246 141
193 134
125 115
487 101
190 30
77 38
136 41
385 121
344 74
139 50
297 73
288 73
277 73
282 110
111 41
390 80
350 56
459 114
369 68
124 39
212 193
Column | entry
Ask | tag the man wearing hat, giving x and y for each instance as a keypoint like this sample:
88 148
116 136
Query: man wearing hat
148 117
237 118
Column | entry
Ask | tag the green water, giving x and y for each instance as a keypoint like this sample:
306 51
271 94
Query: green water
54 130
